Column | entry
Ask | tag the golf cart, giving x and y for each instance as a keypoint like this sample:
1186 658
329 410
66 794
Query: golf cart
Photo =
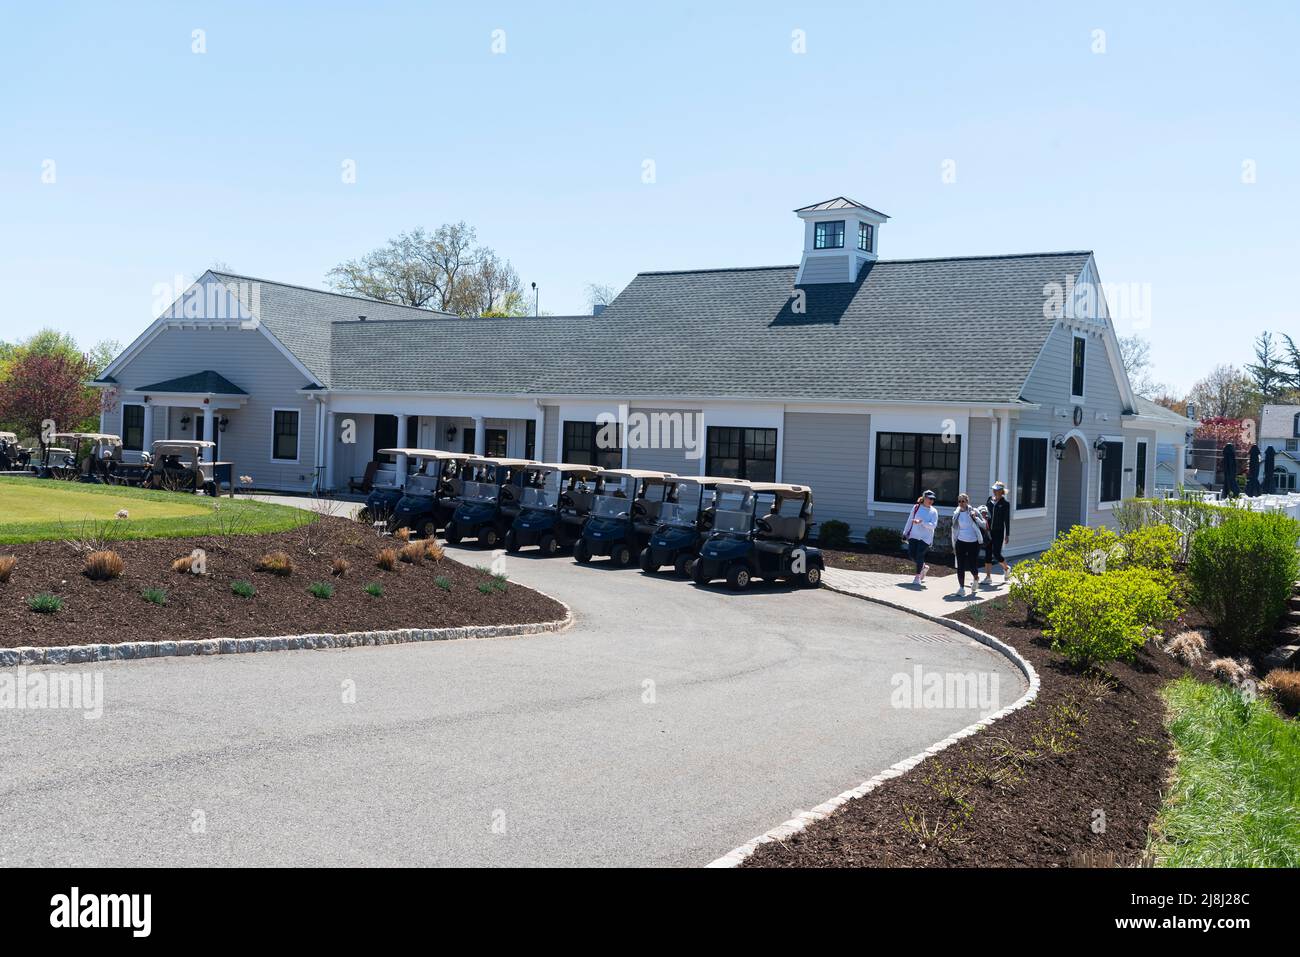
623 516
489 500
431 493
685 520
759 532
177 465
387 487
555 500
79 456
13 457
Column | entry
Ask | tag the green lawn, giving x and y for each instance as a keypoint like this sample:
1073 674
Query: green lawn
38 509
1236 797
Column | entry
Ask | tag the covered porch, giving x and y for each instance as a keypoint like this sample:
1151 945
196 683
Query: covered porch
196 406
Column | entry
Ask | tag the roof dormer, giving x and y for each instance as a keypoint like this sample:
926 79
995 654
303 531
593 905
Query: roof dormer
840 236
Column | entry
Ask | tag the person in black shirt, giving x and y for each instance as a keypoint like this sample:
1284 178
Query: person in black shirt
999 510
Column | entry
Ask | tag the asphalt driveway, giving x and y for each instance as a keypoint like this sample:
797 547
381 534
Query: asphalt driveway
671 724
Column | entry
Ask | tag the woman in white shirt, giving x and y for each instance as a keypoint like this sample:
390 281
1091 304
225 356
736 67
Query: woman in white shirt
919 533
969 529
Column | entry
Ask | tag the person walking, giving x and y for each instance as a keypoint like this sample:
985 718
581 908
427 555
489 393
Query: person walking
919 533
999 512
969 532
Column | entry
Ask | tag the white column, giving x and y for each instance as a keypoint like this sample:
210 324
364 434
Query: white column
480 435
1180 465
1004 446
401 443
539 435
331 437
994 436
208 426
146 443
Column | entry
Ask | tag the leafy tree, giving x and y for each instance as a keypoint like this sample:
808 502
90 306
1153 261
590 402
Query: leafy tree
39 386
600 294
1225 393
1268 372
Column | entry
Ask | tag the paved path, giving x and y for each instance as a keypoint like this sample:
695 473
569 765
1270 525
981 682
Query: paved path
938 596
671 724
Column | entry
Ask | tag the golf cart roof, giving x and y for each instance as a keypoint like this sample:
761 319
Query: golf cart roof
780 488
421 453
509 463
563 467
90 436
164 446
637 474
8 437
709 480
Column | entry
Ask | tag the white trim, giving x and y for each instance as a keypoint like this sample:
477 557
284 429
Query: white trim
1085 480
297 449
121 424
913 423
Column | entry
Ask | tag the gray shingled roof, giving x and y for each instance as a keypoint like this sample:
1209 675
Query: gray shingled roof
965 329
1156 410
196 383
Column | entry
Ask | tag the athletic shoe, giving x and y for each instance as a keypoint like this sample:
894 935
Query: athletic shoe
988 578
924 570
961 592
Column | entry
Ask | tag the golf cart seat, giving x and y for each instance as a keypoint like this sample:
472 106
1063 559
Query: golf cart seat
367 481
581 501
784 530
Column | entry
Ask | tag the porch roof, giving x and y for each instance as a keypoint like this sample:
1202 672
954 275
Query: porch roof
196 383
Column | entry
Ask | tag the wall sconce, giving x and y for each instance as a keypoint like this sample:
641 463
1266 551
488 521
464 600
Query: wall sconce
222 423
451 433
185 423
1058 446
1100 447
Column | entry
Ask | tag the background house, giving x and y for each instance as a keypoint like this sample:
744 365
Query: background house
1279 429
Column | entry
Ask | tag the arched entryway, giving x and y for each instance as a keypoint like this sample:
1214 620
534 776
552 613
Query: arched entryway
1071 480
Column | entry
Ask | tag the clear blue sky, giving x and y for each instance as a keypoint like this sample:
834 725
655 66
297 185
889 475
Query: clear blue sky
167 160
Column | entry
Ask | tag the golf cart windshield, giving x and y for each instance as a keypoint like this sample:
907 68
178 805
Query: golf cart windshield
686 510
481 491
734 511
611 506
545 495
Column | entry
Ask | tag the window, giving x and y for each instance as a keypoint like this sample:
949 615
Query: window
1140 471
1076 381
742 453
865 231
1295 425
284 438
530 439
1031 473
908 463
467 439
385 437
1292 445
828 236
133 428
494 443
1112 472
582 445
1284 481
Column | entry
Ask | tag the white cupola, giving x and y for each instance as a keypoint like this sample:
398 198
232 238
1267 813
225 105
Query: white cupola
839 237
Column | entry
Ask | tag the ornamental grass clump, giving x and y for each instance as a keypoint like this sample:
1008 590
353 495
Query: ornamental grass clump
412 553
155 596
432 550
243 589
45 603
277 563
1284 686
103 566
321 589
386 558
339 567
7 565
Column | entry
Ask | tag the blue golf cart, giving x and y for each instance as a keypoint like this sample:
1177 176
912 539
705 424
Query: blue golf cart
489 500
387 487
685 520
555 502
431 494
759 531
623 515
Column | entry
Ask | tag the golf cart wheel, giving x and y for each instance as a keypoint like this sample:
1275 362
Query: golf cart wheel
487 536
548 544
512 541
696 570
429 530
452 533
582 552
738 577
811 578
622 555
648 563
682 565
365 516
210 489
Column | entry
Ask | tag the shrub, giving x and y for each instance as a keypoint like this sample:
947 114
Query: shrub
321 589
386 558
7 565
243 589
886 539
103 566
433 551
155 596
1098 618
412 553
1285 688
402 534
45 603
277 563
1242 572
1188 647
375 590
339 567
1151 546
443 582
833 534
486 588
184 564
1231 671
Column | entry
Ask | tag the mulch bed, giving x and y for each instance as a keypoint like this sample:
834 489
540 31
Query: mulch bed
1028 803
203 606
864 558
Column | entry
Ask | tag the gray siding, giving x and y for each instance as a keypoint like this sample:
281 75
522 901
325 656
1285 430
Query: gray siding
249 360
826 269
551 433
831 453
979 440
686 426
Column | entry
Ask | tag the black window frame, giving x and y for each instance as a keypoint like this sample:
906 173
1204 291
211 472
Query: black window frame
277 435
1078 366
752 449
923 445
579 447
868 232
1141 450
530 439
1111 477
1027 496
822 230
128 428
496 443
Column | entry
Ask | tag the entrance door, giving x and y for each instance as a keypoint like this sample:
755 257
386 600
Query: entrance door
1069 488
